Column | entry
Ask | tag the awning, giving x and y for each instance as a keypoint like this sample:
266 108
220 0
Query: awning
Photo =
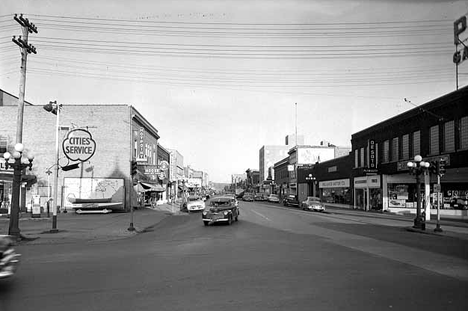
152 187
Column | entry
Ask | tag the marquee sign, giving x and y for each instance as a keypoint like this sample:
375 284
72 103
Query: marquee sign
79 145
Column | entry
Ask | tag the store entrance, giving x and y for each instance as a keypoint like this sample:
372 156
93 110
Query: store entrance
361 198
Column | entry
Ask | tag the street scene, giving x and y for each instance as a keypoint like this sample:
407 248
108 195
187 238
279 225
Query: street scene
274 257
233 155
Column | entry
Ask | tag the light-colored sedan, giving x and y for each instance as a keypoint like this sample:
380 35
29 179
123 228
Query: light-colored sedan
313 204
195 203
273 198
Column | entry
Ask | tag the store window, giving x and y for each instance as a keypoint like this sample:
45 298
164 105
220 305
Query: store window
449 136
363 164
464 133
356 158
434 140
386 150
416 143
405 154
394 149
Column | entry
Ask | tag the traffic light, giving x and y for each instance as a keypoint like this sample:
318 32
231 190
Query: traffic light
434 168
51 107
134 168
441 167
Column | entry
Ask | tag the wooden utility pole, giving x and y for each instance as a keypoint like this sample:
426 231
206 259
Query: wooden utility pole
26 48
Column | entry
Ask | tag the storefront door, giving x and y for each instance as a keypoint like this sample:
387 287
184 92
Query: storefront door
361 198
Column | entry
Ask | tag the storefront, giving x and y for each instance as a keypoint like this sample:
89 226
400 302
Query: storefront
368 193
336 191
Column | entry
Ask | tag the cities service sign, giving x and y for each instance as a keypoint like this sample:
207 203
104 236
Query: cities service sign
79 145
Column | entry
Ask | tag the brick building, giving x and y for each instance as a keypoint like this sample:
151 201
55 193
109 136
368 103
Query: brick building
121 134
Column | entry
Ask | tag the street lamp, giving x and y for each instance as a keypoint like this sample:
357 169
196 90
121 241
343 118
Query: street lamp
311 179
18 163
418 168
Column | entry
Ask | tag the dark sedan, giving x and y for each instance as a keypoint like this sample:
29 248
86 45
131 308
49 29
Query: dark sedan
221 209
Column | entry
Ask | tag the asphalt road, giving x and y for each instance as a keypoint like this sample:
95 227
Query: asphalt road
272 259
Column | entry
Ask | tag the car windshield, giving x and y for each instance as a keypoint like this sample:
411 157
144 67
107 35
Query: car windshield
313 199
273 195
220 202
193 198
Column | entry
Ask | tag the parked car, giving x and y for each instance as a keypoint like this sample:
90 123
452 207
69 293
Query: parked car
273 198
459 203
195 203
291 200
221 209
259 197
248 197
313 204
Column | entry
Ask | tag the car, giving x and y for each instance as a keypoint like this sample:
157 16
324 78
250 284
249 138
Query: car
459 203
313 204
273 198
258 197
195 203
221 209
291 200
248 197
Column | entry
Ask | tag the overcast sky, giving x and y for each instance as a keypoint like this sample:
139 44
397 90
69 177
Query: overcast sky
220 79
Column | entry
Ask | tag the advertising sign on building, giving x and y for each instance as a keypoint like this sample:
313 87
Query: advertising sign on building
461 53
141 156
79 145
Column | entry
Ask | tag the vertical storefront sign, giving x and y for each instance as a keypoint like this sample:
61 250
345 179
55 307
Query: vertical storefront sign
372 154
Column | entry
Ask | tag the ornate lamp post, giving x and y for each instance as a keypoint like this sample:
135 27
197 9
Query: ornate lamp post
311 179
418 168
18 163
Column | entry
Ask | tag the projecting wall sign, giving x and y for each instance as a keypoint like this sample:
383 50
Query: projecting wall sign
79 145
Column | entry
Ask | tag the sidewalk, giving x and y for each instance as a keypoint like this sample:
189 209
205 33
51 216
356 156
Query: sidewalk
74 228
450 227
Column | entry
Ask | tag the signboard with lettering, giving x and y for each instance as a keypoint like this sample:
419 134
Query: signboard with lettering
338 183
372 154
461 53
141 157
79 145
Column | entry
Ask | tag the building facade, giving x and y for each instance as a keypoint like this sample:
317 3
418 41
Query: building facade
120 133
437 130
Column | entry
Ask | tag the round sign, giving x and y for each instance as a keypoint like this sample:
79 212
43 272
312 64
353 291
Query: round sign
79 145
163 165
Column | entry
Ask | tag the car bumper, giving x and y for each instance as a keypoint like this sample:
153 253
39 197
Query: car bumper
315 208
210 220
195 208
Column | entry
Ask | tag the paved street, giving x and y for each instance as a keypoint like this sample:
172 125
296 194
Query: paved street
274 258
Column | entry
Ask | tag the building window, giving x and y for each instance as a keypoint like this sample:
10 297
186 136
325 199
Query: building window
362 164
464 133
356 158
386 151
416 143
3 146
449 136
405 154
434 140
394 149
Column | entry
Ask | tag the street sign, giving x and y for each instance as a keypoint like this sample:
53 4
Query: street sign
437 188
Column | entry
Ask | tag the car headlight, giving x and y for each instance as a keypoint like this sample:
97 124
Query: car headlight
226 213
205 213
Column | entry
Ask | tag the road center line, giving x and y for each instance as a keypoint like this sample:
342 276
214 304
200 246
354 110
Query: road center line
261 215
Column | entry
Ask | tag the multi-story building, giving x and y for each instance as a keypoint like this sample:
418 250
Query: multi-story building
437 130
119 134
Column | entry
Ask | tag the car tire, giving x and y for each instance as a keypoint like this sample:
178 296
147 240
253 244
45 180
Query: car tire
230 220
206 223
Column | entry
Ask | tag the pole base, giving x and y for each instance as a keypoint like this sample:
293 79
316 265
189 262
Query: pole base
54 230
419 223
438 229
131 228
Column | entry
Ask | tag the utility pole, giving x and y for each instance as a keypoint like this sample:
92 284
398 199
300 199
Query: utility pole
26 49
